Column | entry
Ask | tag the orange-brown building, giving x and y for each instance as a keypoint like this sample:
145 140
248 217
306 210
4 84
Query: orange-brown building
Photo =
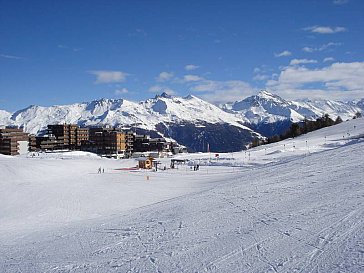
82 135
71 134
111 142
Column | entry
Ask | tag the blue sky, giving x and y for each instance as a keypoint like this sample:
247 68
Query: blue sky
61 52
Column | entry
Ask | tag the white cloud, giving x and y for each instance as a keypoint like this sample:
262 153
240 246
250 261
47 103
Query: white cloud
192 78
164 76
325 29
223 91
321 48
260 77
157 89
308 49
106 76
340 2
11 57
329 59
337 81
302 61
256 70
284 53
121 91
260 73
190 67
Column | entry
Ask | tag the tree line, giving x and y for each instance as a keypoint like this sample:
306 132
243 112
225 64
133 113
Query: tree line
304 127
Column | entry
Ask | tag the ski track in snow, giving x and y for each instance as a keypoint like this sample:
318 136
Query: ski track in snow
304 214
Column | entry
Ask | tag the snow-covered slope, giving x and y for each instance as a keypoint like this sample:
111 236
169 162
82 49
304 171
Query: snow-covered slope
360 104
301 212
119 112
103 111
266 107
320 107
4 117
190 109
271 115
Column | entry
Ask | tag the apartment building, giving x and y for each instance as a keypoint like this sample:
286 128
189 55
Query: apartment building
144 143
110 142
48 143
71 135
13 141
82 136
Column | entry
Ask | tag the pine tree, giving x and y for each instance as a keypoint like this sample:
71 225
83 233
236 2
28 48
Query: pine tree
338 120
295 130
357 115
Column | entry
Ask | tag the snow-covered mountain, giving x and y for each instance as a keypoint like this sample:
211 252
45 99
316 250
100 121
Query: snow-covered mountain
359 104
189 120
268 108
119 112
4 117
270 114
263 107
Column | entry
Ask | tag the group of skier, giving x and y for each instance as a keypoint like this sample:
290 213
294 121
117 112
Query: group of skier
100 170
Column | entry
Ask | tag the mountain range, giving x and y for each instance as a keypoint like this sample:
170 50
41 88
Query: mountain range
189 120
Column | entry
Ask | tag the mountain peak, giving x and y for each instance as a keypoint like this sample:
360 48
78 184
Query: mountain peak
164 95
189 97
265 92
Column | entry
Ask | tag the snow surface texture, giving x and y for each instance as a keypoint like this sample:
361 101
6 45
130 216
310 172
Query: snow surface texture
262 108
287 208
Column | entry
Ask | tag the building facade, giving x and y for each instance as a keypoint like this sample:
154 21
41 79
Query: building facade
110 142
71 135
13 141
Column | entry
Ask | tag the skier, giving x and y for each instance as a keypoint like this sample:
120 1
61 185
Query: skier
103 170
99 170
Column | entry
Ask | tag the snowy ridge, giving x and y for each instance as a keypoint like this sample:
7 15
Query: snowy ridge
360 104
262 109
269 108
103 111
4 117
120 112
190 108
321 107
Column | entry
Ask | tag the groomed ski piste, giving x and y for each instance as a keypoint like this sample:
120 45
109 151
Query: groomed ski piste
291 206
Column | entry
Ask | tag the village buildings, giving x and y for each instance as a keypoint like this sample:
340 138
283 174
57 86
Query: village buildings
106 141
144 143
